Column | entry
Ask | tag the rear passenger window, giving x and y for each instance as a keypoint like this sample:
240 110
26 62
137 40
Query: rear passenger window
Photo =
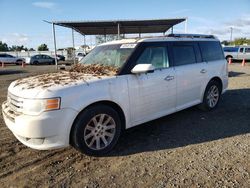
247 50
184 55
157 56
211 51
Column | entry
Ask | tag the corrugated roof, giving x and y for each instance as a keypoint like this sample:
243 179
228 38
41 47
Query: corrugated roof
126 26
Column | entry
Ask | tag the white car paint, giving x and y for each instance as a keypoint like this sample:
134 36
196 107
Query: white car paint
142 97
9 59
242 53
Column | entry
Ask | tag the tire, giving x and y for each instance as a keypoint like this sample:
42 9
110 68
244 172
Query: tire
228 57
35 63
19 62
211 96
89 129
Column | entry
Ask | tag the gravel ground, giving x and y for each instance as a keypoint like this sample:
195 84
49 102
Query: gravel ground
186 149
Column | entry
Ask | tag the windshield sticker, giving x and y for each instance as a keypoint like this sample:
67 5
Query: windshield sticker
128 45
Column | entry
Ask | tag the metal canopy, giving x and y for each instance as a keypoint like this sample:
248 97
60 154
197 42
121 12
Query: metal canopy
124 26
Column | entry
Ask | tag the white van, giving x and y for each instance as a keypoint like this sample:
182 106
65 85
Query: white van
237 52
152 77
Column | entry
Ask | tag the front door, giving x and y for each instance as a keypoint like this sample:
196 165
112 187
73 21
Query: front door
152 95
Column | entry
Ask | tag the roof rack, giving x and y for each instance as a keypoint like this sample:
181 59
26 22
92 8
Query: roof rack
192 36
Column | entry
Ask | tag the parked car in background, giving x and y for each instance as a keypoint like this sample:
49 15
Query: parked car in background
9 59
237 52
60 58
80 56
40 59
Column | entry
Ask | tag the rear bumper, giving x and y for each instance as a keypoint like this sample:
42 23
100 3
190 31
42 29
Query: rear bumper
50 130
225 84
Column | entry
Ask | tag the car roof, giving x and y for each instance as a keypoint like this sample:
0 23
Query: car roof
156 39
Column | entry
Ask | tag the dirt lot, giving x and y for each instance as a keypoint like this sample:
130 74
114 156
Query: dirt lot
187 149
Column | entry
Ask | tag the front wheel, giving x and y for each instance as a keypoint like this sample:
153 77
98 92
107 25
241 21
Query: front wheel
96 130
211 96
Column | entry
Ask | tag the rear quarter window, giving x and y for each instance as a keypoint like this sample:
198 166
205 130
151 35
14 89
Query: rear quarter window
247 50
211 50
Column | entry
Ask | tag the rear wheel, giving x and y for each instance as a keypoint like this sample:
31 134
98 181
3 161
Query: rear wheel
19 62
96 130
228 58
35 63
211 96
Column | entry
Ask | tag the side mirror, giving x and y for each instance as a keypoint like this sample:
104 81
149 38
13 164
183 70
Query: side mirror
143 68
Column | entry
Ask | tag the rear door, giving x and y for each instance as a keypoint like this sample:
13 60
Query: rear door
191 73
241 54
10 58
247 53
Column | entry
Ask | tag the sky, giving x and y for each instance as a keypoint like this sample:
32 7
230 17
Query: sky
21 21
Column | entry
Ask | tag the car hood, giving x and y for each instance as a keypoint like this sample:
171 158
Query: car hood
45 85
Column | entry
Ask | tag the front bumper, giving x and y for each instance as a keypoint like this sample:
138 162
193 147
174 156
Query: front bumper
49 130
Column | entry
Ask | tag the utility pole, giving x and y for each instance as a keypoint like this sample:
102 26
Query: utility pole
231 35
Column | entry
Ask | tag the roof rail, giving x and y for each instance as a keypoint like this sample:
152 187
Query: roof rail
192 36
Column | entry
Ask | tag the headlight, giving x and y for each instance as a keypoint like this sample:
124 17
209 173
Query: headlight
36 106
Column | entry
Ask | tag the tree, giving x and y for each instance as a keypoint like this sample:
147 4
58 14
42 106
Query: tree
3 47
31 49
241 41
43 47
225 42
101 38
18 48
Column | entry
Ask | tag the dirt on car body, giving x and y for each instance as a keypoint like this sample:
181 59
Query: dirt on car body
76 73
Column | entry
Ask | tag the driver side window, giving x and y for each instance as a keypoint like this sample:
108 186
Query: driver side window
157 56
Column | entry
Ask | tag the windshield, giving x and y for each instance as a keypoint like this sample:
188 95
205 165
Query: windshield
110 55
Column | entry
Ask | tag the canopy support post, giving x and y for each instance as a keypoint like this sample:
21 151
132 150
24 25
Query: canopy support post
73 42
84 38
186 25
54 40
172 30
105 35
118 31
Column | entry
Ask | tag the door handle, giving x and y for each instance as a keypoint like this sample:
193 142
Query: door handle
168 78
203 71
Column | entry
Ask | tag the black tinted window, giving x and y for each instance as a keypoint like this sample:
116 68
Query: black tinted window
230 49
241 50
184 55
211 51
247 50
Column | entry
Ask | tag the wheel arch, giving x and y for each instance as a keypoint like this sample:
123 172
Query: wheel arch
229 56
217 79
112 104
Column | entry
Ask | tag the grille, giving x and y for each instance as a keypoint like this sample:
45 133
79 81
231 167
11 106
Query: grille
13 107
15 103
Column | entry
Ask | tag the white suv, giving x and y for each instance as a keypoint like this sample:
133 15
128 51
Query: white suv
155 77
